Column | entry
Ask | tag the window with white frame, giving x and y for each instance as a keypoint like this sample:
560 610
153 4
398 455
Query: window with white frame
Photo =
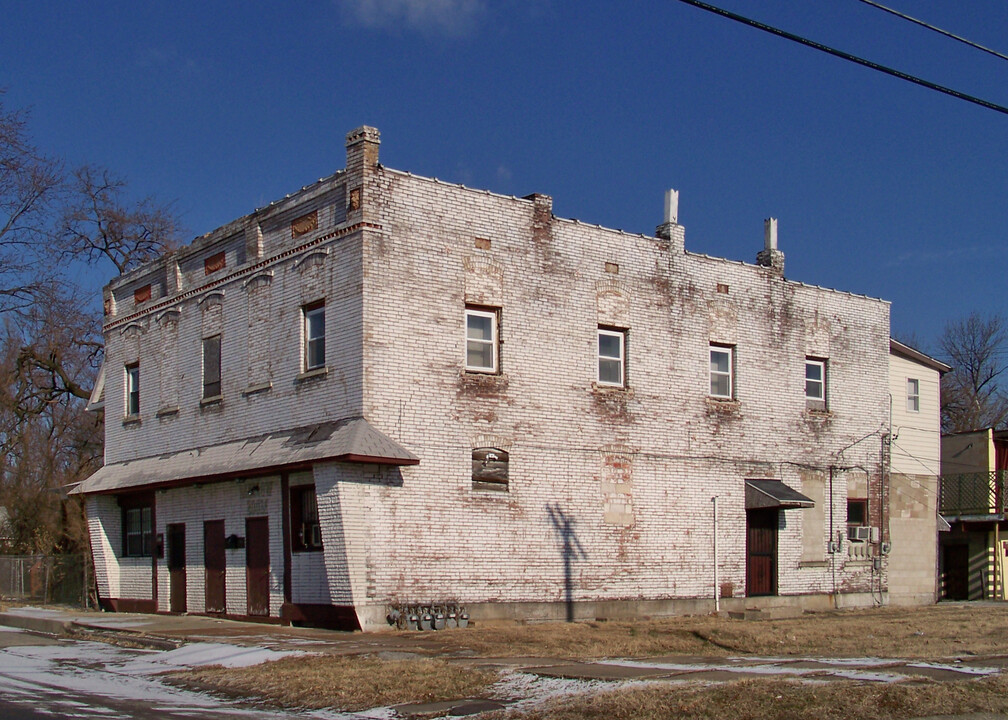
815 384
482 353
132 389
314 335
721 371
913 395
612 357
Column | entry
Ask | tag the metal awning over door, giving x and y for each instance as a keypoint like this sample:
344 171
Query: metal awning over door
770 494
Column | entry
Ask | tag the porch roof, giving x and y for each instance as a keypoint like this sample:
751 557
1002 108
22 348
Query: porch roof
348 440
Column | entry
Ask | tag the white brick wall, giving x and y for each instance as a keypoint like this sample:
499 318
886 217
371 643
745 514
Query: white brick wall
630 472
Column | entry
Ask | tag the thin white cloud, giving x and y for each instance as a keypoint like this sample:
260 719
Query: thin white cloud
448 17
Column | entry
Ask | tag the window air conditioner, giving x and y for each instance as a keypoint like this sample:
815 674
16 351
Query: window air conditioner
859 534
316 536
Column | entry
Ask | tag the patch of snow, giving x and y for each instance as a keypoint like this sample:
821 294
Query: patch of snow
197 654
965 670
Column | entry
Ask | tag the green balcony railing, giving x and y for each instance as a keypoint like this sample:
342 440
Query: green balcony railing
973 493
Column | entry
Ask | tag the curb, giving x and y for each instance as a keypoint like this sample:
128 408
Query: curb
46 626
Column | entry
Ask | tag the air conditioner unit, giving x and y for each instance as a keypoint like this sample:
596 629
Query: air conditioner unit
316 536
859 534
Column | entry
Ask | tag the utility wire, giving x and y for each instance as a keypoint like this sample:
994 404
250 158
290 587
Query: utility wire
847 56
938 30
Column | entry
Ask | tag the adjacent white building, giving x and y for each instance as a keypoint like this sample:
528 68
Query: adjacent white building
386 391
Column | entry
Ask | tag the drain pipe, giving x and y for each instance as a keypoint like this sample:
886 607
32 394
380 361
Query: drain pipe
717 589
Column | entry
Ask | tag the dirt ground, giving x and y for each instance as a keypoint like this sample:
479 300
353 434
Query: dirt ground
946 631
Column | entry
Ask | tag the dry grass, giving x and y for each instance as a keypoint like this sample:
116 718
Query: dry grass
931 632
344 683
777 700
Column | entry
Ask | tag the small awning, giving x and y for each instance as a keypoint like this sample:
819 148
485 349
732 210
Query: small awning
348 440
773 494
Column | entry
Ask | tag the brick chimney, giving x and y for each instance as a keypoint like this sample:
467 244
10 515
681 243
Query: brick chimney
670 229
770 257
361 163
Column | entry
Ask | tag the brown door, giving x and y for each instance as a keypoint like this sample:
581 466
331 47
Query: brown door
761 552
257 565
215 565
177 567
956 566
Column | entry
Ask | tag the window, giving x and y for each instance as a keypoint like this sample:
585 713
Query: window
314 335
305 529
815 384
721 369
132 389
612 357
137 531
211 367
913 395
857 517
481 340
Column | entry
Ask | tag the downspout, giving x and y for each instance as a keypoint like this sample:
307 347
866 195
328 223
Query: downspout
833 544
717 589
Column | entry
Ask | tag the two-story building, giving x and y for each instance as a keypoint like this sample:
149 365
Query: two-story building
386 391
974 504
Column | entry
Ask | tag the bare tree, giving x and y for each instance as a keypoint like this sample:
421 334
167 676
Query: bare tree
50 336
30 184
100 224
972 395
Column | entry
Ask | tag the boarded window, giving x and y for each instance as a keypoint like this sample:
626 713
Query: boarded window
490 468
306 532
304 224
215 262
142 294
211 367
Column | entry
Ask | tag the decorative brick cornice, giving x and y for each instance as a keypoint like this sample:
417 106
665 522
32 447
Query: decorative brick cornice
168 302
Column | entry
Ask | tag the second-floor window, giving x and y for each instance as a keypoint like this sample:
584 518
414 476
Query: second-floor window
815 384
913 395
481 340
612 357
211 367
314 336
721 372
133 389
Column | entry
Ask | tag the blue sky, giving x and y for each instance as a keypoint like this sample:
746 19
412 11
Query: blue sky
880 187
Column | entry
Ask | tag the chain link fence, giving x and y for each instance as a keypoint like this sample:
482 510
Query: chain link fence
45 579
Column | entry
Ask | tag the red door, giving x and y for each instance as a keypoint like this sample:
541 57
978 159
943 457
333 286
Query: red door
761 552
257 565
176 567
215 565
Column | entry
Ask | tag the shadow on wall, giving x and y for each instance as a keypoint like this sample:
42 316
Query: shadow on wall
570 549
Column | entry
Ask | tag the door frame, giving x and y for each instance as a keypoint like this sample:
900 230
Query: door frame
765 519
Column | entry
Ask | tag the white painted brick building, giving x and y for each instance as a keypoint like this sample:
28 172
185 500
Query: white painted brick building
525 415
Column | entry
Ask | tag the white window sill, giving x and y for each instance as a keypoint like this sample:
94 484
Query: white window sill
211 401
167 412
319 372
131 420
607 388
491 487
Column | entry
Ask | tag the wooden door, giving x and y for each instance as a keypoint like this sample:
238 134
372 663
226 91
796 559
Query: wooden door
176 567
761 552
956 566
257 565
215 565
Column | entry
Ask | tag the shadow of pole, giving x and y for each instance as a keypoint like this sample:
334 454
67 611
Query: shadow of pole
571 550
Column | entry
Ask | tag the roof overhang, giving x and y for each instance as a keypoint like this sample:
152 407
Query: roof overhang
761 494
905 351
351 440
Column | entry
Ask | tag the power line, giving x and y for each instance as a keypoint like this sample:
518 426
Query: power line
938 30
847 56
